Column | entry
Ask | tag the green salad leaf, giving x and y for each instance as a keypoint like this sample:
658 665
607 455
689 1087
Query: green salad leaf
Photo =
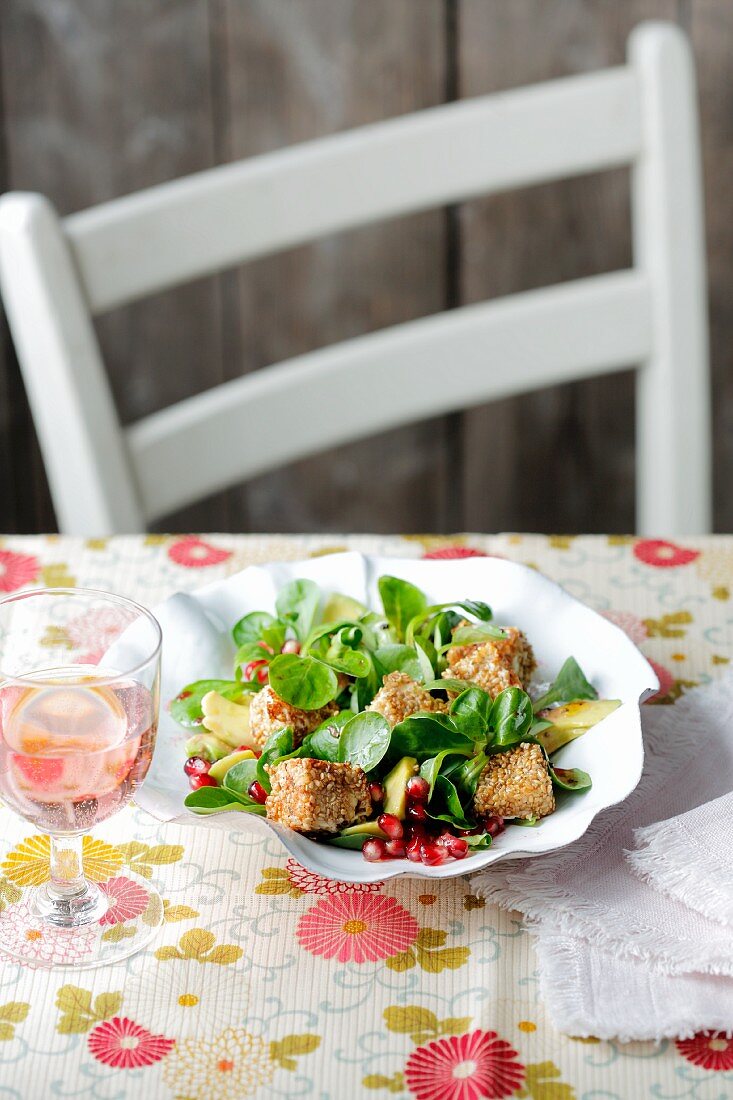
342 653
277 745
398 658
257 627
465 774
297 603
402 601
240 777
446 805
471 712
431 768
570 684
219 800
425 735
473 635
442 619
511 717
570 779
427 658
323 742
364 740
304 682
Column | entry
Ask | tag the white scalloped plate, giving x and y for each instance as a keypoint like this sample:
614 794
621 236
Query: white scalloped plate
197 645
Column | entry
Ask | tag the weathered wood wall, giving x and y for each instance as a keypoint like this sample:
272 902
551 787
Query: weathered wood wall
101 97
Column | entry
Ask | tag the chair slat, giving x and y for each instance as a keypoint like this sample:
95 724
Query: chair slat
372 383
134 246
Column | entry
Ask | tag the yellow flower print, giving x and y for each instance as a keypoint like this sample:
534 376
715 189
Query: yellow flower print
29 863
232 1065
715 565
57 575
12 1013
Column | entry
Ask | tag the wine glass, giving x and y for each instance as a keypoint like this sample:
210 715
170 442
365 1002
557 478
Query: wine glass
79 699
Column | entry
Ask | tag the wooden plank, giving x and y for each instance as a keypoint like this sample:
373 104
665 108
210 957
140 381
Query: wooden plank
26 502
289 72
563 459
103 97
711 29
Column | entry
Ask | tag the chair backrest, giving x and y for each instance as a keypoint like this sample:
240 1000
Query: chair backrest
57 274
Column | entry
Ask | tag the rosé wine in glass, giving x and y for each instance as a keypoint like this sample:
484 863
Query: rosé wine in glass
73 753
78 719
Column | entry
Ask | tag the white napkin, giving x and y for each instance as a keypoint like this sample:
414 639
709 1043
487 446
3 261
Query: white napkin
604 930
590 991
690 857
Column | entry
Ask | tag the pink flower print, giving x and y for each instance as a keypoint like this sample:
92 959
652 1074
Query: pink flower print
708 1049
24 936
453 553
309 883
17 570
127 900
632 626
665 677
476 1066
193 553
357 928
123 1044
95 630
662 554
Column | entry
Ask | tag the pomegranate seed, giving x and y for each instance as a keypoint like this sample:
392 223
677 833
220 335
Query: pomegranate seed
184 695
267 648
414 849
256 670
395 848
196 765
257 792
373 850
391 825
291 646
257 752
494 825
415 829
417 812
456 846
198 780
433 854
418 788
376 792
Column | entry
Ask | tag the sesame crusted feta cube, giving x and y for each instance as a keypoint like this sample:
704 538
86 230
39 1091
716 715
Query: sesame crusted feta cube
515 783
401 696
495 664
268 712
316 796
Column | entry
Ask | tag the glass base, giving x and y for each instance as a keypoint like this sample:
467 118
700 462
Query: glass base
105 924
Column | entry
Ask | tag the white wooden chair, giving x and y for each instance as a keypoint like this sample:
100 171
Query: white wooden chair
56 274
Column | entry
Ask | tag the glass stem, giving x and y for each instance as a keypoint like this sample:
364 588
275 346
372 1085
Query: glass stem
69 900
67 874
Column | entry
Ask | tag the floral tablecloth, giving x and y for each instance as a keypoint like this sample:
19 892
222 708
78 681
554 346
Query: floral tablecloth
268 981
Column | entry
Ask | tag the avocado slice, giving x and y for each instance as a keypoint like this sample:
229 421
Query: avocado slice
219 769
227 720
365 829
208 746
573 720
394 784
339 607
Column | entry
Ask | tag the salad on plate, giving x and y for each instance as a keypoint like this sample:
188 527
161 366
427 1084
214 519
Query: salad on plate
417 732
